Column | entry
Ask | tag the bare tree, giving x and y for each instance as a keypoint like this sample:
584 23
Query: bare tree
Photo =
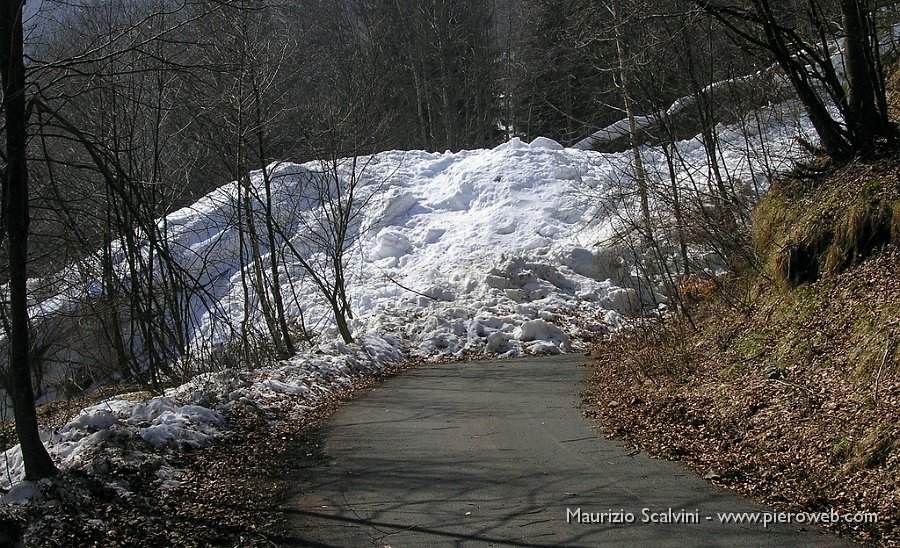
805 42
105 117
242 107
624 83
38 463
322 238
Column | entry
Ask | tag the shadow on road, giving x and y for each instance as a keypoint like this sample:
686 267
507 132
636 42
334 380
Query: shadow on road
497 453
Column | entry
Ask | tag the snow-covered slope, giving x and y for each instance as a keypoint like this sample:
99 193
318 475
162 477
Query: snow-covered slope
480 250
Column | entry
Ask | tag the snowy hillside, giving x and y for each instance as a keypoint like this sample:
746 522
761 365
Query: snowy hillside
474 251
503 251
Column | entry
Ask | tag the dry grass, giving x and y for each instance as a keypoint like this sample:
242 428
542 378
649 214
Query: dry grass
820 222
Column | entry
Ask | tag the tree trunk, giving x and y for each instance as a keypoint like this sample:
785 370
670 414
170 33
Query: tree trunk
282 337
865 119
829 131
640 172
863 105
38 463
341 321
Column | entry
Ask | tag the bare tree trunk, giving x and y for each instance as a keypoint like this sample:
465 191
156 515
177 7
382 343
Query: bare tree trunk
809 68
38 463
260 285
863 74
677 210
640 172
284 344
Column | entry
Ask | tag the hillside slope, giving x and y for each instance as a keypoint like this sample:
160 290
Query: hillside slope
789 389
502 252
505 252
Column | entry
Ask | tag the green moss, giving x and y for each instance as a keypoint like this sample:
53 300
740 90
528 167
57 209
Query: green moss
874 349
895 222
872 189
867 449
752 343
843 449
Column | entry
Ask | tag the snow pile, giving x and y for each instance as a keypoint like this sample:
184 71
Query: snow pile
467 248
192 415
454 252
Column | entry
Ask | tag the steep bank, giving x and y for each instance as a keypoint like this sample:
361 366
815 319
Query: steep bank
789 389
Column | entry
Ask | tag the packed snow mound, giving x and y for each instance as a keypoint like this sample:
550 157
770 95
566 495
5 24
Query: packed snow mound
456 252
467 247
452 252
451 249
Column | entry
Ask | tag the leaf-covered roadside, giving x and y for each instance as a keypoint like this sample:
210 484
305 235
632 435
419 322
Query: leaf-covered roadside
781 403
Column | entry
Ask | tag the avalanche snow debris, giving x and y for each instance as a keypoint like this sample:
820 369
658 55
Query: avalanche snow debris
471 252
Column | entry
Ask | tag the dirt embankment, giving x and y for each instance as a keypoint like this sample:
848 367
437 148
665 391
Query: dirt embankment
789 388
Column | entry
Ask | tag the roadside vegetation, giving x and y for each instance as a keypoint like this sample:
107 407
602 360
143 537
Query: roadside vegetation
781 379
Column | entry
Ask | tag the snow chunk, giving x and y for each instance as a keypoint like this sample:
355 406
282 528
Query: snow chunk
399 202
390 244
513 144
544 331
506 228
92 418
545 143
21 493
624 300
171 425
286 388
542 347
432 236
497 343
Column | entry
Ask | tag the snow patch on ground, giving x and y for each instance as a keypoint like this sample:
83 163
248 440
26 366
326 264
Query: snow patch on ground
193 415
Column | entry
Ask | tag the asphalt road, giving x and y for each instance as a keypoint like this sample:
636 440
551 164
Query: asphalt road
498 454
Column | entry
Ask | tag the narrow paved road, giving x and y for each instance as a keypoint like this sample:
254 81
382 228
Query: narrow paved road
497 454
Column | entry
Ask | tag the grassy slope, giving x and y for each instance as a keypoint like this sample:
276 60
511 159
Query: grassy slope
789 390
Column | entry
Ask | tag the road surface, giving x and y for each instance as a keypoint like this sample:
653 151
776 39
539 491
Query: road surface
498 454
